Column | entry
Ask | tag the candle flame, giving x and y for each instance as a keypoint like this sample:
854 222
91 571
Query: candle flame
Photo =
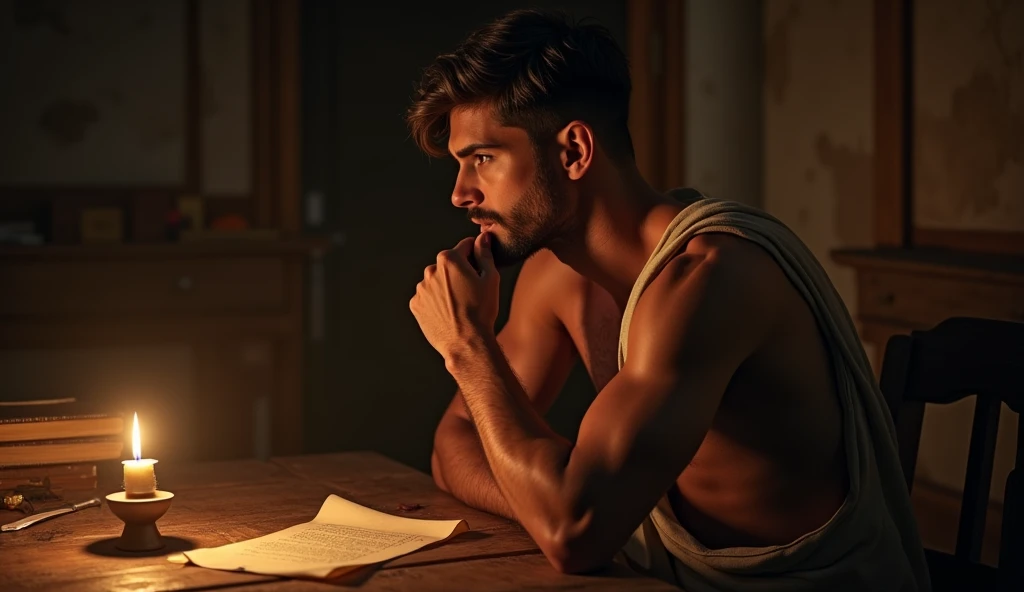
136 440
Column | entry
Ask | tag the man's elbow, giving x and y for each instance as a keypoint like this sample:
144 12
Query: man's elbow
438 474
436 468
573 564
576 554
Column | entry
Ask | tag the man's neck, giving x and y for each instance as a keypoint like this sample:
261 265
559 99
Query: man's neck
621 220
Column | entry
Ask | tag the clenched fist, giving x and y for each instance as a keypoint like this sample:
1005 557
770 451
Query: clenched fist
456 302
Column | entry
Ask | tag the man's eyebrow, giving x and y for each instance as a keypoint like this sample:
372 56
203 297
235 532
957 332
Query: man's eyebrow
464 152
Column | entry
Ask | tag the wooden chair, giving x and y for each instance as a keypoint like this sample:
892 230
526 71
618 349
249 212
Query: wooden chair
962 357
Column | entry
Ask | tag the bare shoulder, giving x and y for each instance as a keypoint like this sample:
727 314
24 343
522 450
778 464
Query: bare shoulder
726 268
719 291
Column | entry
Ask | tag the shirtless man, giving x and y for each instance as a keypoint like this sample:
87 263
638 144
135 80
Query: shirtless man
726 404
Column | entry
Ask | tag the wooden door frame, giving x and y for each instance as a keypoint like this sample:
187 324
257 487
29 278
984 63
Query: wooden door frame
894 145
276 118
654 46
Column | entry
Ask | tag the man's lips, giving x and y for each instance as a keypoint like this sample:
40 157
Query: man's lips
484 225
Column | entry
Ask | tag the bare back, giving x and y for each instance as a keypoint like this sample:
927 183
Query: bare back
771 468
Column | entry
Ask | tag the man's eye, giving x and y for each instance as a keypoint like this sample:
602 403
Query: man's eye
482 158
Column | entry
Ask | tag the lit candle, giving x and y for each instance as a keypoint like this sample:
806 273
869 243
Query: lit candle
139 476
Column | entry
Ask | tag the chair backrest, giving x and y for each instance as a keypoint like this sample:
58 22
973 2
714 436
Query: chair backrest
961 357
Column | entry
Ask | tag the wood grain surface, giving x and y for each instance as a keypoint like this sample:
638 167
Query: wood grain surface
223 502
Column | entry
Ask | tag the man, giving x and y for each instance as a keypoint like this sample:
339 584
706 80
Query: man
737 440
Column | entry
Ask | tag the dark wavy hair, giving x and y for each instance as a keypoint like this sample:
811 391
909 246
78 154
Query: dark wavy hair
539 70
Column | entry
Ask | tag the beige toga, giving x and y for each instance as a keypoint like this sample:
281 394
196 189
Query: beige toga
872 542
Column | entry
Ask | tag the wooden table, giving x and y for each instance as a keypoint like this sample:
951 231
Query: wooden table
223 502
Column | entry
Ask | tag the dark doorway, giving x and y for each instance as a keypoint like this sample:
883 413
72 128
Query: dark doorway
373 382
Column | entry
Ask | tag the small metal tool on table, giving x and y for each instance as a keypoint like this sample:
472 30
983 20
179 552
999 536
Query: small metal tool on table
34 518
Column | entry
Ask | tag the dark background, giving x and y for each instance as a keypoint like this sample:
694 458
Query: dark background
375 382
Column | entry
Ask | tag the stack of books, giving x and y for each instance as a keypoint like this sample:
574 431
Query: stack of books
58 440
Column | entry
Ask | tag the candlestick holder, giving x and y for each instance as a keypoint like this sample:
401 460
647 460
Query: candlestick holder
139 515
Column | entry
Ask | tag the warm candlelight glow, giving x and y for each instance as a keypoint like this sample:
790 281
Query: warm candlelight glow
139 474
136 440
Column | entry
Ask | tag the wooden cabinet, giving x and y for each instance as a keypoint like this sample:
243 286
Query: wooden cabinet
165 285
923 299
237 309
196 103
905 289
949 231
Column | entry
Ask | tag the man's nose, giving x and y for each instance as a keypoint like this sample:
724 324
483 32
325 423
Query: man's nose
465 195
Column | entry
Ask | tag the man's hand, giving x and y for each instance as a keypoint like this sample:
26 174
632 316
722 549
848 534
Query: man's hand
456 302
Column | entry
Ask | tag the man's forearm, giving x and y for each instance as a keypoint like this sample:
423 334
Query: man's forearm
526 457
464 468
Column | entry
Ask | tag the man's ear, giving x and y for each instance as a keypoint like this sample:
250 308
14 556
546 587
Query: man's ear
576 149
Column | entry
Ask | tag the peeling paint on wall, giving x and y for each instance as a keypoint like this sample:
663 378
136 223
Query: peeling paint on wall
92 97
818 122
969 115
851 170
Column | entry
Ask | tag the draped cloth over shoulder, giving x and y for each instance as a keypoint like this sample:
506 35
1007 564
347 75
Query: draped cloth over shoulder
872 542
